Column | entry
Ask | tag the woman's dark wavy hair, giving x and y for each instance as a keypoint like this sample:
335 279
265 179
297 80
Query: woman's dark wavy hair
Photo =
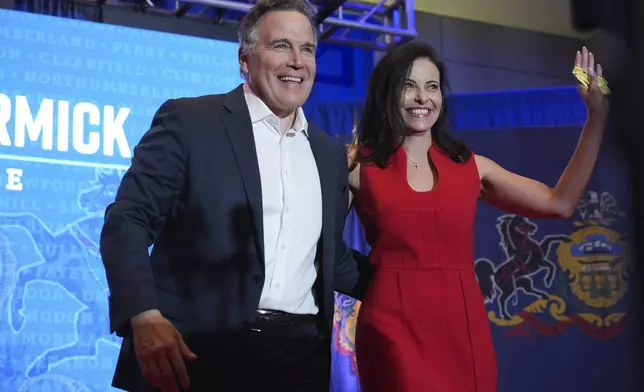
382 129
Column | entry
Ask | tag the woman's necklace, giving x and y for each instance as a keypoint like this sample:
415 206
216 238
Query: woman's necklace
413 163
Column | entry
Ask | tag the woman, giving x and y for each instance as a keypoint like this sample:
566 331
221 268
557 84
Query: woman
422 325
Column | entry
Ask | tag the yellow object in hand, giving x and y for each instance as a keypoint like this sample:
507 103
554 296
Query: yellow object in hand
582 76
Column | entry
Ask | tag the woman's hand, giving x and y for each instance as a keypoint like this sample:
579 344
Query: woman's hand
352 156
596 102
524 196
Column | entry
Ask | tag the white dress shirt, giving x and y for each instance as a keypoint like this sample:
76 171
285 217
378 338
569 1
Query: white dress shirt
292 209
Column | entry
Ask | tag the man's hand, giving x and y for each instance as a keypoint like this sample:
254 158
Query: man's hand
161 351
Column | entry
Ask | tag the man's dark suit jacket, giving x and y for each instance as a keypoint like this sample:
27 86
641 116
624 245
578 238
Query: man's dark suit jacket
193 190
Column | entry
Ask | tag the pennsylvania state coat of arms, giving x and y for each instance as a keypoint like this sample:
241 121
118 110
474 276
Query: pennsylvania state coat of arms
547 285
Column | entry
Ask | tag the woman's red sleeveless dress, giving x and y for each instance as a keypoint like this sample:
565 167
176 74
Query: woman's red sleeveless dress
422 326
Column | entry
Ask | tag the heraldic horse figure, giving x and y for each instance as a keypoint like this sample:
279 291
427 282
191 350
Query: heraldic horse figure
525 257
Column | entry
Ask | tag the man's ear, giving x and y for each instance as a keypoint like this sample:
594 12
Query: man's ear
243 60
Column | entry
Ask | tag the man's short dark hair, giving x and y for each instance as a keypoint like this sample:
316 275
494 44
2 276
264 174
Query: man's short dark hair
247 33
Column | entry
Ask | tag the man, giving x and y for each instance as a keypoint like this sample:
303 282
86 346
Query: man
245 203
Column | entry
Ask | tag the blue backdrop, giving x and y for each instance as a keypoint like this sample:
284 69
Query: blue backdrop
75 97
576 317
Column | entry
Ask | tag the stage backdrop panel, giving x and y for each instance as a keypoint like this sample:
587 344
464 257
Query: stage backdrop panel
75 97
560 289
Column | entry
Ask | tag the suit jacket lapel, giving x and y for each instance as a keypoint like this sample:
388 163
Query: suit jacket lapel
328 184
240 132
